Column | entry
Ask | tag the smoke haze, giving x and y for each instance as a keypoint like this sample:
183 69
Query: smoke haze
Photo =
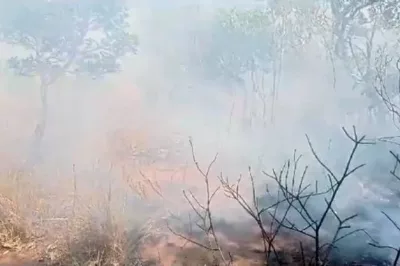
158 101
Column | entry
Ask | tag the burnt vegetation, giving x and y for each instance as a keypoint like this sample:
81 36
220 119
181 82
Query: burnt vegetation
288 209
294 209
288 205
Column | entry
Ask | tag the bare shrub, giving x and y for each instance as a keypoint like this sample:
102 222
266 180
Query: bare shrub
394 224
252 207
299 195
290 207
203 217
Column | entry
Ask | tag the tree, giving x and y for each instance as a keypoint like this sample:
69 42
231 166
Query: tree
360 31
243 47
76 37
247 49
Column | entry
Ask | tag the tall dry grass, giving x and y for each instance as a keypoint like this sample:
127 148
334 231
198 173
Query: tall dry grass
76 222
71 225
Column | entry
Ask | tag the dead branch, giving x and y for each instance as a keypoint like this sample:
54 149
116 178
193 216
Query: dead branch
376 244
256 213
153 184
298 197
203 213
397 250
385 94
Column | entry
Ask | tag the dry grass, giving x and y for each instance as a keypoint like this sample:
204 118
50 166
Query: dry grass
100 244
14 234
18 205
98 231
92 230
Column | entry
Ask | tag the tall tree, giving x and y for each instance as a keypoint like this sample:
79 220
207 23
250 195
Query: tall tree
249 45
74 37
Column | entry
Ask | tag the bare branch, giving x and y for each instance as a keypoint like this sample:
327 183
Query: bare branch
297 198
203 212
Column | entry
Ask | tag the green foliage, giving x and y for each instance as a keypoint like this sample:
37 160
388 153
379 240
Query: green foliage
241 41
254 39
66 37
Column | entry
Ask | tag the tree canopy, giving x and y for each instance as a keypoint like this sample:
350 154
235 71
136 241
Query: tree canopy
66 37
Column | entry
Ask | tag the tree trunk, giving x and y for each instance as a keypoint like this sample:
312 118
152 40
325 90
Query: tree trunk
35 153
246 120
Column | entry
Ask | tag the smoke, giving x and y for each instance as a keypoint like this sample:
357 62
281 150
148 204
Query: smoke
156 100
